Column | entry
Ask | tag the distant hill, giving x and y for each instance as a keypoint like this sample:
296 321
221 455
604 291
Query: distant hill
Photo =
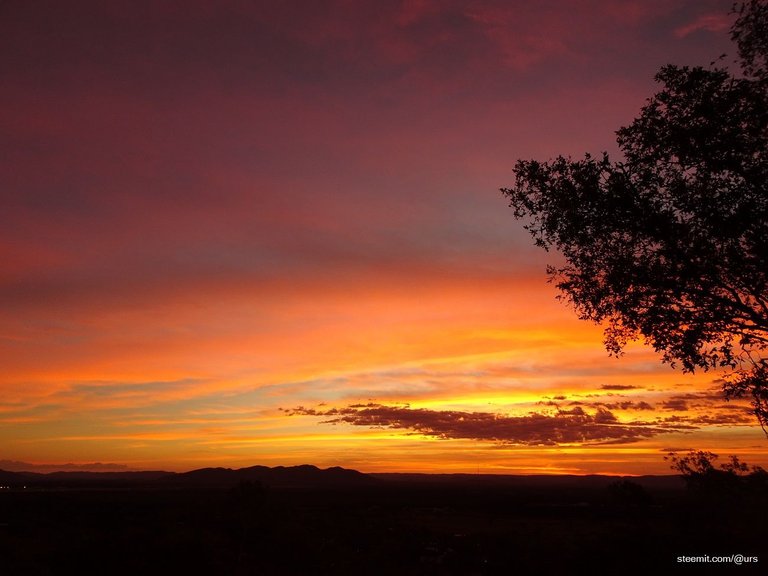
141 476
79 479
11 478
308 476
280 476
299 476
662 482
19 466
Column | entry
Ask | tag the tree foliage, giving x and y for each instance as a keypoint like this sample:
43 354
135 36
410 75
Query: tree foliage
670 243
734 479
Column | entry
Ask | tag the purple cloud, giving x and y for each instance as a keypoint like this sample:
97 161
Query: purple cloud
534 429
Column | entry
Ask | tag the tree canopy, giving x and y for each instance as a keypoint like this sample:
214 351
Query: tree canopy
669 244
732 480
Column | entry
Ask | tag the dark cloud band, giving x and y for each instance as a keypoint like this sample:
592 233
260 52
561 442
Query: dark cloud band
573 426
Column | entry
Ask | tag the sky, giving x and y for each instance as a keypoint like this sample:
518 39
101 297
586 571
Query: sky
246 232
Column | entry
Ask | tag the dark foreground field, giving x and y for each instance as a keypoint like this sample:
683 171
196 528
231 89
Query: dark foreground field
386 525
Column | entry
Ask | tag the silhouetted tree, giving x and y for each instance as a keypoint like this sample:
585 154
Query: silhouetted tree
734 479
628 493
670 244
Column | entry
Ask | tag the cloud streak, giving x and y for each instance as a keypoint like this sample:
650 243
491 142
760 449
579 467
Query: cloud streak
574 426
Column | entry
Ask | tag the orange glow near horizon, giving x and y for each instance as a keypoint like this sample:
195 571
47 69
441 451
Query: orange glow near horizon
470 349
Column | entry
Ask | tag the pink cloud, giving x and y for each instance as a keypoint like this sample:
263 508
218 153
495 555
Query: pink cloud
717 22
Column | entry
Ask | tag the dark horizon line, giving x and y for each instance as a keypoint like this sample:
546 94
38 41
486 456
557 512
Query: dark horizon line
129 471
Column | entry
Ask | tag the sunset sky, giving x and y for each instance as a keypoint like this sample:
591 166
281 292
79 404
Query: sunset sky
246 232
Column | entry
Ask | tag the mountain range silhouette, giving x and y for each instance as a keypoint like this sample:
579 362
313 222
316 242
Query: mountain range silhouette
305 476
